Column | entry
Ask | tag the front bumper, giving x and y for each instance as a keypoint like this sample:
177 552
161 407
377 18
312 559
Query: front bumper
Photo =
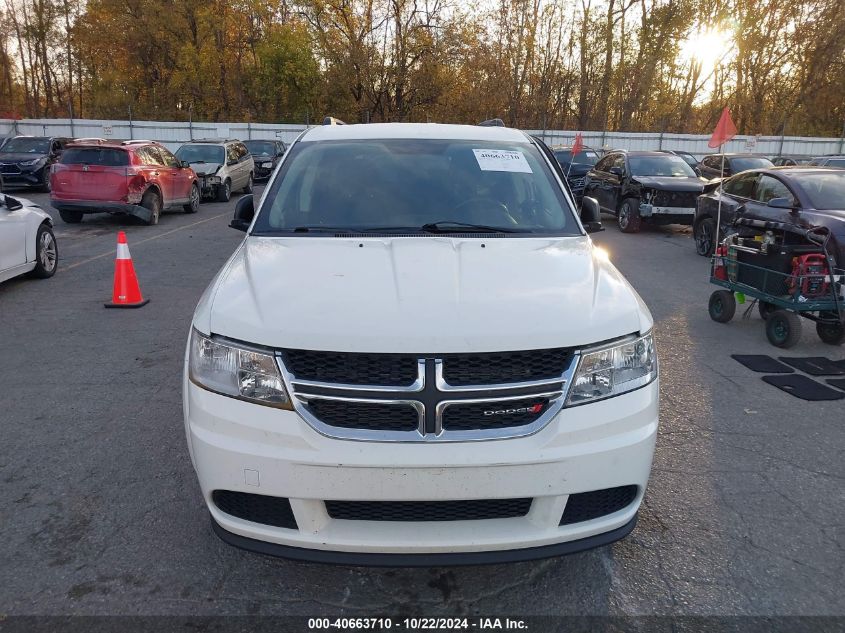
669 215
249 448
262 173
23 178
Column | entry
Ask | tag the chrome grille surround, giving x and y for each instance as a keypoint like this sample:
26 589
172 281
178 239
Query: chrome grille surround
430 395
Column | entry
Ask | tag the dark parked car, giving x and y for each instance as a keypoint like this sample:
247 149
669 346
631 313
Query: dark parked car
805 196
266 155
829 161
25 160
710 166
576 170
655 187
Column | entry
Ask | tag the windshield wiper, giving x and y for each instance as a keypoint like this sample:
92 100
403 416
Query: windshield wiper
352 229
451 226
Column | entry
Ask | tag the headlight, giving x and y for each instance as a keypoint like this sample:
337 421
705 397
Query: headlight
613 370
30 163
235 371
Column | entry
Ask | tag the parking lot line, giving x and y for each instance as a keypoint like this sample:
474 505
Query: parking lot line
148 239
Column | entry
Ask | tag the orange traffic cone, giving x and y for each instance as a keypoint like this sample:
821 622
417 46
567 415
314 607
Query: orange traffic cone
127 292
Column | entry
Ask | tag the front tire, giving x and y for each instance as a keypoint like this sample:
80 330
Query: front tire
722 306
629 216
224 191
152 202
45 181
704 233
248 187
71 217
46 253
194 204
831 333
783 328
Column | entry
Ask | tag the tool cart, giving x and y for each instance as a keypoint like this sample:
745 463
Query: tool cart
789 273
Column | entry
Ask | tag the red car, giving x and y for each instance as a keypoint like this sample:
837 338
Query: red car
139 178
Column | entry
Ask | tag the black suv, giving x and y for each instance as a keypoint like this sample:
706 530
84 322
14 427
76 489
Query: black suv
266 155
710 166
25 160
656 187
576 170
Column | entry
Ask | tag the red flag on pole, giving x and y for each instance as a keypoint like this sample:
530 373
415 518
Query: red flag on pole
725 130
577 146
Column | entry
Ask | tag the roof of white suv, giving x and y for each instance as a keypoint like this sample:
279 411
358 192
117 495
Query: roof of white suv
414 130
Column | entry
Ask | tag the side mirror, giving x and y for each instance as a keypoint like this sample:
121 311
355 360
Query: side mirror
782 203
244 212
616 171
591 215
184 164
231 162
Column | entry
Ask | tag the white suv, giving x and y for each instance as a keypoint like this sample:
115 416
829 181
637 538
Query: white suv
417 356
222 166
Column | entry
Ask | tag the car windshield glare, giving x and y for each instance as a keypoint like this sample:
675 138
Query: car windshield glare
585 157
201 153
260 148
668 165
825 191
409 184
27 146
743 163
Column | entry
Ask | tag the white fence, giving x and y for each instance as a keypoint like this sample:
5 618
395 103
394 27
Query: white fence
174 134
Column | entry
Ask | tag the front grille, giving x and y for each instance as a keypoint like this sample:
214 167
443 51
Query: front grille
275 511
464 510
585 506
9 169
390 370
505 367
493 415
365 415
684 199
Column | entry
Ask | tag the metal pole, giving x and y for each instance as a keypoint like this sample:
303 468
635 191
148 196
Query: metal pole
191 122
130 122
249 130
782 134
717 230
70 110
842 139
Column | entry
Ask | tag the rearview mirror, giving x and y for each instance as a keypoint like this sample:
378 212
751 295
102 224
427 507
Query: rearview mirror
782 203
591 215
244 212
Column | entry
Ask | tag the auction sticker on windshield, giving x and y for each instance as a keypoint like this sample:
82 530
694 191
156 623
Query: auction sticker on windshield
502 160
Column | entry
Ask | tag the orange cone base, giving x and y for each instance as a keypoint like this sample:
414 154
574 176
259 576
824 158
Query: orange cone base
140 304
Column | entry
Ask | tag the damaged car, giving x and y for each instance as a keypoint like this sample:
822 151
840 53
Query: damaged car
25 161
642 186
222 166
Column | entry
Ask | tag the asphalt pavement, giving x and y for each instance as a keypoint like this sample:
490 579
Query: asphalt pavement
100 511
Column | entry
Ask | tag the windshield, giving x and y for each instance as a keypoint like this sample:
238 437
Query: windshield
201 154
750 162
24 145
411 184
825 191
665 165
261 148
585 157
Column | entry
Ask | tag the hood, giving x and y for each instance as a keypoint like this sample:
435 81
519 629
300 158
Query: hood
420 295
576 170
670 183
205 169
20 157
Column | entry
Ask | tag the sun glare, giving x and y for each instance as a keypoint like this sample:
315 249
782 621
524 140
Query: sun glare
706 48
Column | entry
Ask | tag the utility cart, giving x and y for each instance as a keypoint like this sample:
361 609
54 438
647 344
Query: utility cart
788 271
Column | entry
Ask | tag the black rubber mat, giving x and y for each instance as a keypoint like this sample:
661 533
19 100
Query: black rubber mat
803 387
762 363
839 383
815 365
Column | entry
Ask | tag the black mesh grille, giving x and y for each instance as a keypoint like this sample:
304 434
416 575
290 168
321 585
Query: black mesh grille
493 415
393 370
598 503
470 510
263 509
365 415
675 199
501 367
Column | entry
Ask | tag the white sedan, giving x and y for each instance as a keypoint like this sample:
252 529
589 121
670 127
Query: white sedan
27 243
